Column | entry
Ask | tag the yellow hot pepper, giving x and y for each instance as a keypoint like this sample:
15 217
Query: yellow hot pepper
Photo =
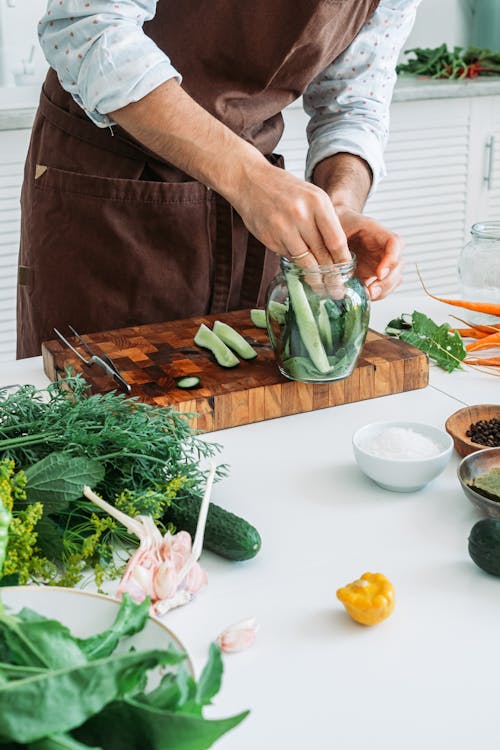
368 600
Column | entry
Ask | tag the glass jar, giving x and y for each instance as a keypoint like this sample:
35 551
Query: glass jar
479 267
317 320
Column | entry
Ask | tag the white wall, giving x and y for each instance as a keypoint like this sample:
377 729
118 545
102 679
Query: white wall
441 21
18 34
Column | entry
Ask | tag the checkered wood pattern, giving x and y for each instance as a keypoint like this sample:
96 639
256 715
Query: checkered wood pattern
151 357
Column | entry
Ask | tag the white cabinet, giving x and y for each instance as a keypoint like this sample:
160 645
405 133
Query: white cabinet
439 154
13 147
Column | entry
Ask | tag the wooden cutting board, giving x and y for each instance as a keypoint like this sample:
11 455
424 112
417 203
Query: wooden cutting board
151 357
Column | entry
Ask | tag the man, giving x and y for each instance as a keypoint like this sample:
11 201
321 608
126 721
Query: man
151 189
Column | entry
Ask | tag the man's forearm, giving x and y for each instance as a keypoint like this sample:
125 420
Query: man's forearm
346 178
176 128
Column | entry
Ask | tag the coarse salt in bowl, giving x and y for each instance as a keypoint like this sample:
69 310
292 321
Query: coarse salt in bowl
401 456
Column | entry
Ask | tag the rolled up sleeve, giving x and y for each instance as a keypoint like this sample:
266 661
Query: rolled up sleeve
101 54
349 102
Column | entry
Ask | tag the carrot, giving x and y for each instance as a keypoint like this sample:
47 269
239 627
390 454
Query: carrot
490 361
486 343
488 308
483 328
469 333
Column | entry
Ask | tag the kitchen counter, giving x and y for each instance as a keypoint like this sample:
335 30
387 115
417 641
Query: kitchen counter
410 88
426 677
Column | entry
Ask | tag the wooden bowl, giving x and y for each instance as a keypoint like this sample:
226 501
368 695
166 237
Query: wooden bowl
459 422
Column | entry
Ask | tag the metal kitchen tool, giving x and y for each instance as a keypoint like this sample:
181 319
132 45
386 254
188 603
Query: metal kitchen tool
105 362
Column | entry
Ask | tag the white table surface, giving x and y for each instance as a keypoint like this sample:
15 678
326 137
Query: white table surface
426 678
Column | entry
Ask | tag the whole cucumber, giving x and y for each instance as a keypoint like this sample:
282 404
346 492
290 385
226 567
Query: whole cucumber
226 534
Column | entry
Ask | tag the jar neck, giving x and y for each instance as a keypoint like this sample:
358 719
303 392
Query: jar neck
346 268
486 230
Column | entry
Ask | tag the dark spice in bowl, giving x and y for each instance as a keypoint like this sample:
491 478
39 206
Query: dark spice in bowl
485 432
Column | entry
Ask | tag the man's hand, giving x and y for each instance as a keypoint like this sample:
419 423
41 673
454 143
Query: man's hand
378 251
289 216
346 178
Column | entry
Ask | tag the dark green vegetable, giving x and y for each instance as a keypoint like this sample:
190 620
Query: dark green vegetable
484 545
226 534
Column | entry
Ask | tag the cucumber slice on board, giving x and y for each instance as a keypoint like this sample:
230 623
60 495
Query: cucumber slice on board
234 340
208 340
258 318
188 381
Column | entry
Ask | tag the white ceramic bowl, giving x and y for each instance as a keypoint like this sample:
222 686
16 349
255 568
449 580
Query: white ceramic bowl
86 613
401 474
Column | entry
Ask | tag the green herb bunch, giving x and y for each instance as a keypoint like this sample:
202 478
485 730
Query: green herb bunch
53 441
457 63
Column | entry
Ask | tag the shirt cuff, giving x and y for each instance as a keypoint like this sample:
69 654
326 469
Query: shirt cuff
359 140
111 91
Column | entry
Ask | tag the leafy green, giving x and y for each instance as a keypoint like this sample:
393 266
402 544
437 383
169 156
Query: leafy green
131 619
137 726
100 702
59 478
443 346
488 484
459 62
139 456
85 690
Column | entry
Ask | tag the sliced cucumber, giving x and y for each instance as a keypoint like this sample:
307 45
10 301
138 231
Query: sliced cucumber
258 318
306 324
277 311
188 381
208 340
325 329
234 340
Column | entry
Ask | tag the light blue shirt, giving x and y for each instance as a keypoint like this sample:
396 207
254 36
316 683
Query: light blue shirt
106 61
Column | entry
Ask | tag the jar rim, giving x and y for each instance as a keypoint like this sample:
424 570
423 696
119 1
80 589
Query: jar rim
486 230
339 268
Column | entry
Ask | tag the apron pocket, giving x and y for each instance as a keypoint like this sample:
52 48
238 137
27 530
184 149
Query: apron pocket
109 253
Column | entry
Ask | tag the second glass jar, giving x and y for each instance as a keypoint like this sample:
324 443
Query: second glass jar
317 320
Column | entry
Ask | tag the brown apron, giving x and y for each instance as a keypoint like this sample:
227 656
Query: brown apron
112 235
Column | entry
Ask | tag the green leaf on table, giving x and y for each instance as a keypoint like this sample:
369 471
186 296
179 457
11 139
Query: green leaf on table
65 698
59 742
444 347
58 479
33 641
211 677
131 618
137 726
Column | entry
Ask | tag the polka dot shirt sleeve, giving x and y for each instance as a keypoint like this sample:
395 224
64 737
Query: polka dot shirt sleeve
348 103
101 54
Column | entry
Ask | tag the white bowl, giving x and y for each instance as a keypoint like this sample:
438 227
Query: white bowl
86 614
401 474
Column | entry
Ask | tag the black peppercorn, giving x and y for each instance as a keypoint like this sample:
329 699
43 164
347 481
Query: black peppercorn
485 432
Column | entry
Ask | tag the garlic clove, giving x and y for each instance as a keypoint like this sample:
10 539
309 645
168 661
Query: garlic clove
238 637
